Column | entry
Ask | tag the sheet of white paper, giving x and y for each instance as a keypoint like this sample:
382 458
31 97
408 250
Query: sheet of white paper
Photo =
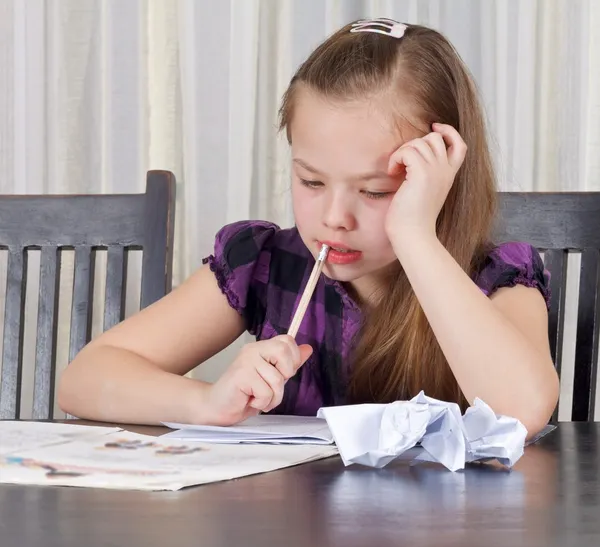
124 460
22 435
264 428
547 429
374 435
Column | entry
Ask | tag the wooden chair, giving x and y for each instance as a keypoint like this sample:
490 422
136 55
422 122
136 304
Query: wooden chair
83 223
559 223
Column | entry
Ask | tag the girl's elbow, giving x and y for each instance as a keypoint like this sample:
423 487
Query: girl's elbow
70 387
66 392
542 407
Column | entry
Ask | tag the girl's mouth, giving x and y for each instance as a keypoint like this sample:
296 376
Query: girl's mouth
340 254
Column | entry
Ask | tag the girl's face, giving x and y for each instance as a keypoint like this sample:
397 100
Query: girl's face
341 190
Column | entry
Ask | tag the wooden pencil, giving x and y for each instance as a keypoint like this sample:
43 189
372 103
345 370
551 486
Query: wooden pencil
308 291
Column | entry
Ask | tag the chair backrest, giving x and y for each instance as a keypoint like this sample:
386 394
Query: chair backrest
558 224
116 223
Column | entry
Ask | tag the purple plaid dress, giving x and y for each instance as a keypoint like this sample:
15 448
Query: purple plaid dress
263 270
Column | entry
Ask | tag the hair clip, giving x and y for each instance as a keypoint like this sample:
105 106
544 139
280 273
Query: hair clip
382 25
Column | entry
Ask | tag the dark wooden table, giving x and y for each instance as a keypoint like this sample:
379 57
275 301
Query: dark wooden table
551 498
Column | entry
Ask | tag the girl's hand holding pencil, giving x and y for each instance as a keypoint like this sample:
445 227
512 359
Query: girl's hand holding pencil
254 382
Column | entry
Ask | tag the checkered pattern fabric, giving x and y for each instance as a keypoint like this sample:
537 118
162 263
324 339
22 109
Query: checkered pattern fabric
262 270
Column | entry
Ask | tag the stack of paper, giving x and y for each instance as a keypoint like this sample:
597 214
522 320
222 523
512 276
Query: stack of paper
258 429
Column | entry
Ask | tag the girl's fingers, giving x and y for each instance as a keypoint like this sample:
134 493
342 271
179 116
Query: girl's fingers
405 157
275 381
456 146
424 148
437 144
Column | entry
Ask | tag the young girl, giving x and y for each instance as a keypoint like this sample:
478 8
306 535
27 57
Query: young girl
390 169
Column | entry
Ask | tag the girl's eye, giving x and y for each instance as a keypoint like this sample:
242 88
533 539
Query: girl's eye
370 195
311 183
376 195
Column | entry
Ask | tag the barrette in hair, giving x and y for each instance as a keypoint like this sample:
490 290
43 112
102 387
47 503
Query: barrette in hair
382 25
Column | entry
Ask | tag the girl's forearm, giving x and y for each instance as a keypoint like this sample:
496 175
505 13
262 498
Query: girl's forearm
110 384
488 355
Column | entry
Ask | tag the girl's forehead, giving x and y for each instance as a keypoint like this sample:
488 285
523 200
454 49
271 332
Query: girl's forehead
321 121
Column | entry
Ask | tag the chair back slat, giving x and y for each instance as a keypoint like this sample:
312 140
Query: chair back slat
47 328
12 351
81 307
116 280
586 350
556 262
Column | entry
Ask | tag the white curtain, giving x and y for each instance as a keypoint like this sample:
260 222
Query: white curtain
93 93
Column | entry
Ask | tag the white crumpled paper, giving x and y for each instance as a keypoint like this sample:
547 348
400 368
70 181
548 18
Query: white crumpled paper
375 434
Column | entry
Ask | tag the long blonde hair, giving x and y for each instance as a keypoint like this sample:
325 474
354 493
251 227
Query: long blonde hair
396 353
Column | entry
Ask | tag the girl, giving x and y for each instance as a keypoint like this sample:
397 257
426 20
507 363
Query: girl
391 169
